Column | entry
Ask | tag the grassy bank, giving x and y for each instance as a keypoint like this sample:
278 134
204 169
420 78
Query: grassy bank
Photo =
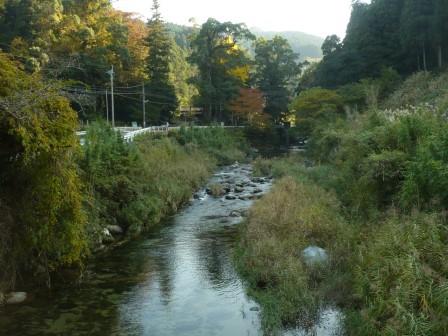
387 272
384 174
293 216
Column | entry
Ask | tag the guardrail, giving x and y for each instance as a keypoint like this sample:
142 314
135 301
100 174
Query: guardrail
129 133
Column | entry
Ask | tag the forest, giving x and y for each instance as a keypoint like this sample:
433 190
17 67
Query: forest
370 188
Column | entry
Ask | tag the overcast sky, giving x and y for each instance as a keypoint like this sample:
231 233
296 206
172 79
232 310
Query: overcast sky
317 17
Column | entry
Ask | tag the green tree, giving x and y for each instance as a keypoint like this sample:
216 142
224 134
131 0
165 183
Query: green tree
223 66
316 107
163 100
277 67
415 28
440 28
331 44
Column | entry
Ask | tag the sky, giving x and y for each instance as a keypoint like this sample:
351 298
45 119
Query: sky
317 17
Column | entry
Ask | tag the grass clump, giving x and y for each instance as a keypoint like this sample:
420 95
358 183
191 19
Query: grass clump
400 278
280 226
227 146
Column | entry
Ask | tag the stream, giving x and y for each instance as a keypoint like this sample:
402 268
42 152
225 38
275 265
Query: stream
179 280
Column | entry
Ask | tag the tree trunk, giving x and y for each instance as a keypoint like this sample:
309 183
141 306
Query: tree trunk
418 63
440 56
425 68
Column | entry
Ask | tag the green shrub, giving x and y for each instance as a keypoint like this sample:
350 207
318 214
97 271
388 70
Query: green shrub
42 218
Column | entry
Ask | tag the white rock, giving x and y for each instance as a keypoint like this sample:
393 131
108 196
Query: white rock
313 255
16 297
115 229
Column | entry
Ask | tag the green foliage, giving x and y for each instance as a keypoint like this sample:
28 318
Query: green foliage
227 146
315 107
223 66
419 89
40 189
137 186
403 34
400 278
277 67
158 69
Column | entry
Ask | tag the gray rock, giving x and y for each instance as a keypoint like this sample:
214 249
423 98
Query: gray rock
230 197
235 213
314 255
257 191
16 297
239 190
255 309
115 229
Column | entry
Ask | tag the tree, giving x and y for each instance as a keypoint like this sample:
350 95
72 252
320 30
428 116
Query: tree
277 66
249 106
331 44
163 100
440 28
222 64
415 28
314 107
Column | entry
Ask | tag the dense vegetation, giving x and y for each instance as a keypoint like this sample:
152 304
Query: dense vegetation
165 67
407 35
372 192
57 198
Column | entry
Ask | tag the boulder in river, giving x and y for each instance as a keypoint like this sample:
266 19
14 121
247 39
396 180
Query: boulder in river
257 191
16 298
314 255
230 197
239 190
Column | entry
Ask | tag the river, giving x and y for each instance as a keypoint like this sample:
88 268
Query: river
177 281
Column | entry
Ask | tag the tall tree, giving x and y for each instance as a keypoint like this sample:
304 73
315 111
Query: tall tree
163 101
222 64
440 28
416 28
277 65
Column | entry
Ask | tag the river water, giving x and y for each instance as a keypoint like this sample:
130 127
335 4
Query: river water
177 281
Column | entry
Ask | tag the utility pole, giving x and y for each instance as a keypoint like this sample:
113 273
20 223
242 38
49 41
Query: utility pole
144 101
111 73
107 107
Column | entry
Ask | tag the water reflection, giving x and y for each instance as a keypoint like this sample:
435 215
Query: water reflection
179 281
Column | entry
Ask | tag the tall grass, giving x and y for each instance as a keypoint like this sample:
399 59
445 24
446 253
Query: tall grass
227 146
137 185
293 216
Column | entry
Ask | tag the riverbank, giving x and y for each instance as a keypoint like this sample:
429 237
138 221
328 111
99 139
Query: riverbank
386 271
126 189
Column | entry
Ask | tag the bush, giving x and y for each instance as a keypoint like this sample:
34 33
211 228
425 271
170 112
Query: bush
40 191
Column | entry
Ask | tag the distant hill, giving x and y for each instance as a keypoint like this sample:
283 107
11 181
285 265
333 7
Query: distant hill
307 45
